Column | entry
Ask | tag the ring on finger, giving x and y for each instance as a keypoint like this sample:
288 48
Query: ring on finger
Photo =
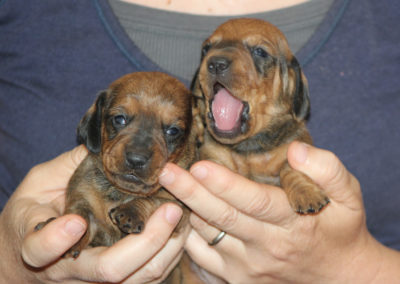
217 239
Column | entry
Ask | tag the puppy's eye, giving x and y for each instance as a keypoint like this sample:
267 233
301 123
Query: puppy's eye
260 52
205 49
172 131
119 121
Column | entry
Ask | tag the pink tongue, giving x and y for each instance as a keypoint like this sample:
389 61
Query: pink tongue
226 110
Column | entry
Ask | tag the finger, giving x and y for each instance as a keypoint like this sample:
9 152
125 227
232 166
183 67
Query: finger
257 200
52 241
204 255
326 170
214 210
160 266
116 263
207 232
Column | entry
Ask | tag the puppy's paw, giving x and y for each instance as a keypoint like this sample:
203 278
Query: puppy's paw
127 219
305 196
42 224
73 252
308 199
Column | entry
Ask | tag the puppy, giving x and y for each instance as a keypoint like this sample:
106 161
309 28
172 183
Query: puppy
253 100
133 129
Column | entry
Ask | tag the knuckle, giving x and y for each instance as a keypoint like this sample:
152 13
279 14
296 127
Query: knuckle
259 206
336 171
285 252
107 272
153 271
78 154
228 218
35 171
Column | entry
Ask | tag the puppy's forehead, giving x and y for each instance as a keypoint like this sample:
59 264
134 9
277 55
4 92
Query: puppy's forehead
250 32
149 90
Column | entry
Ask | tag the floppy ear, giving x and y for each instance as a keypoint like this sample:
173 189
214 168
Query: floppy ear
298 89
195 85
89 128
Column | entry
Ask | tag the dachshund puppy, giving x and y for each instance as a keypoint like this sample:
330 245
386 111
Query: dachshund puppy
253 100
134 128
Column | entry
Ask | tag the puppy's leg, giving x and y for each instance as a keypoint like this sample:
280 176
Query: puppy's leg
132 216
304 195
83 209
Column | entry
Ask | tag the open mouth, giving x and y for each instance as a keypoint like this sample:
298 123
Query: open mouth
228 114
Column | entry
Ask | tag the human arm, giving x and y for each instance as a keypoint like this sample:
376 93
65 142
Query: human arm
266 241
143 258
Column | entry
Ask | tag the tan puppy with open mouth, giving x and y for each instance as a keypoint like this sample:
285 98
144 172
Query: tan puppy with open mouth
253 100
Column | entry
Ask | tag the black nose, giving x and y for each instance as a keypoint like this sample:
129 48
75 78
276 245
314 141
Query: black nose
218 65
137 161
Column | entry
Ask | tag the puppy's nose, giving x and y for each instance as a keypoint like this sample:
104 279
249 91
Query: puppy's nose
218 65
137 160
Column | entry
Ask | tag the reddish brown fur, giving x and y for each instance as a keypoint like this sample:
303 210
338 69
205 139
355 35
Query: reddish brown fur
275 89
115 188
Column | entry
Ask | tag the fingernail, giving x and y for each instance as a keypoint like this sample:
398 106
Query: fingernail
74 228
166 177
301 153
173 214
199 172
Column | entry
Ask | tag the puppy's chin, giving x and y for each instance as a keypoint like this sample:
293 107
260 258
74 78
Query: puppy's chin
132 184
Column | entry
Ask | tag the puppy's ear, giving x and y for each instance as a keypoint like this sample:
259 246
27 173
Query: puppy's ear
89 128
195 85
297 88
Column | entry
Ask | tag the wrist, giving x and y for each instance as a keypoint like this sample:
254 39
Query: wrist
388 266
12 267
374 264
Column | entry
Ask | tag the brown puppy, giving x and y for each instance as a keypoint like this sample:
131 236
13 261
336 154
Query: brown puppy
133 129
253 100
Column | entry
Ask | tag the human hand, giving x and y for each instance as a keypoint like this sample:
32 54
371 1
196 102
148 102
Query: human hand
144 258
266 241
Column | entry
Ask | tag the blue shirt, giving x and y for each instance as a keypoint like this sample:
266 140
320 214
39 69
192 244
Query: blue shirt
56 55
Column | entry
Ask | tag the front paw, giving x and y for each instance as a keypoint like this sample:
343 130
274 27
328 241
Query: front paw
42 224
305 196
127 220
308 199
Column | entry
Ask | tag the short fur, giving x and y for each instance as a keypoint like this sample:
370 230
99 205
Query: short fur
251 59
133 129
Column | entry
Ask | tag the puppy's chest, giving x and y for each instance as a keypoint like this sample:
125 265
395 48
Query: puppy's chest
261 167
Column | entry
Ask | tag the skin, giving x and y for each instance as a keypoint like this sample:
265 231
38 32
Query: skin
217 7
266 241
144 258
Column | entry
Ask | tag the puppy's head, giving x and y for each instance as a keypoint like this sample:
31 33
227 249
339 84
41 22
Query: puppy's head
249 80
141 122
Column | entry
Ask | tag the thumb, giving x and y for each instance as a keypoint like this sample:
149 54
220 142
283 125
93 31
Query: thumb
52 241
327 170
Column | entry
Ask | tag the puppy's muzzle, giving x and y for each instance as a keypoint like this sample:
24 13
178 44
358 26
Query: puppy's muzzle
138 161
218 65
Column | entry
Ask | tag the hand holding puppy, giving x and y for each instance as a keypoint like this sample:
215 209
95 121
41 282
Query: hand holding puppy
144 258
266 241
